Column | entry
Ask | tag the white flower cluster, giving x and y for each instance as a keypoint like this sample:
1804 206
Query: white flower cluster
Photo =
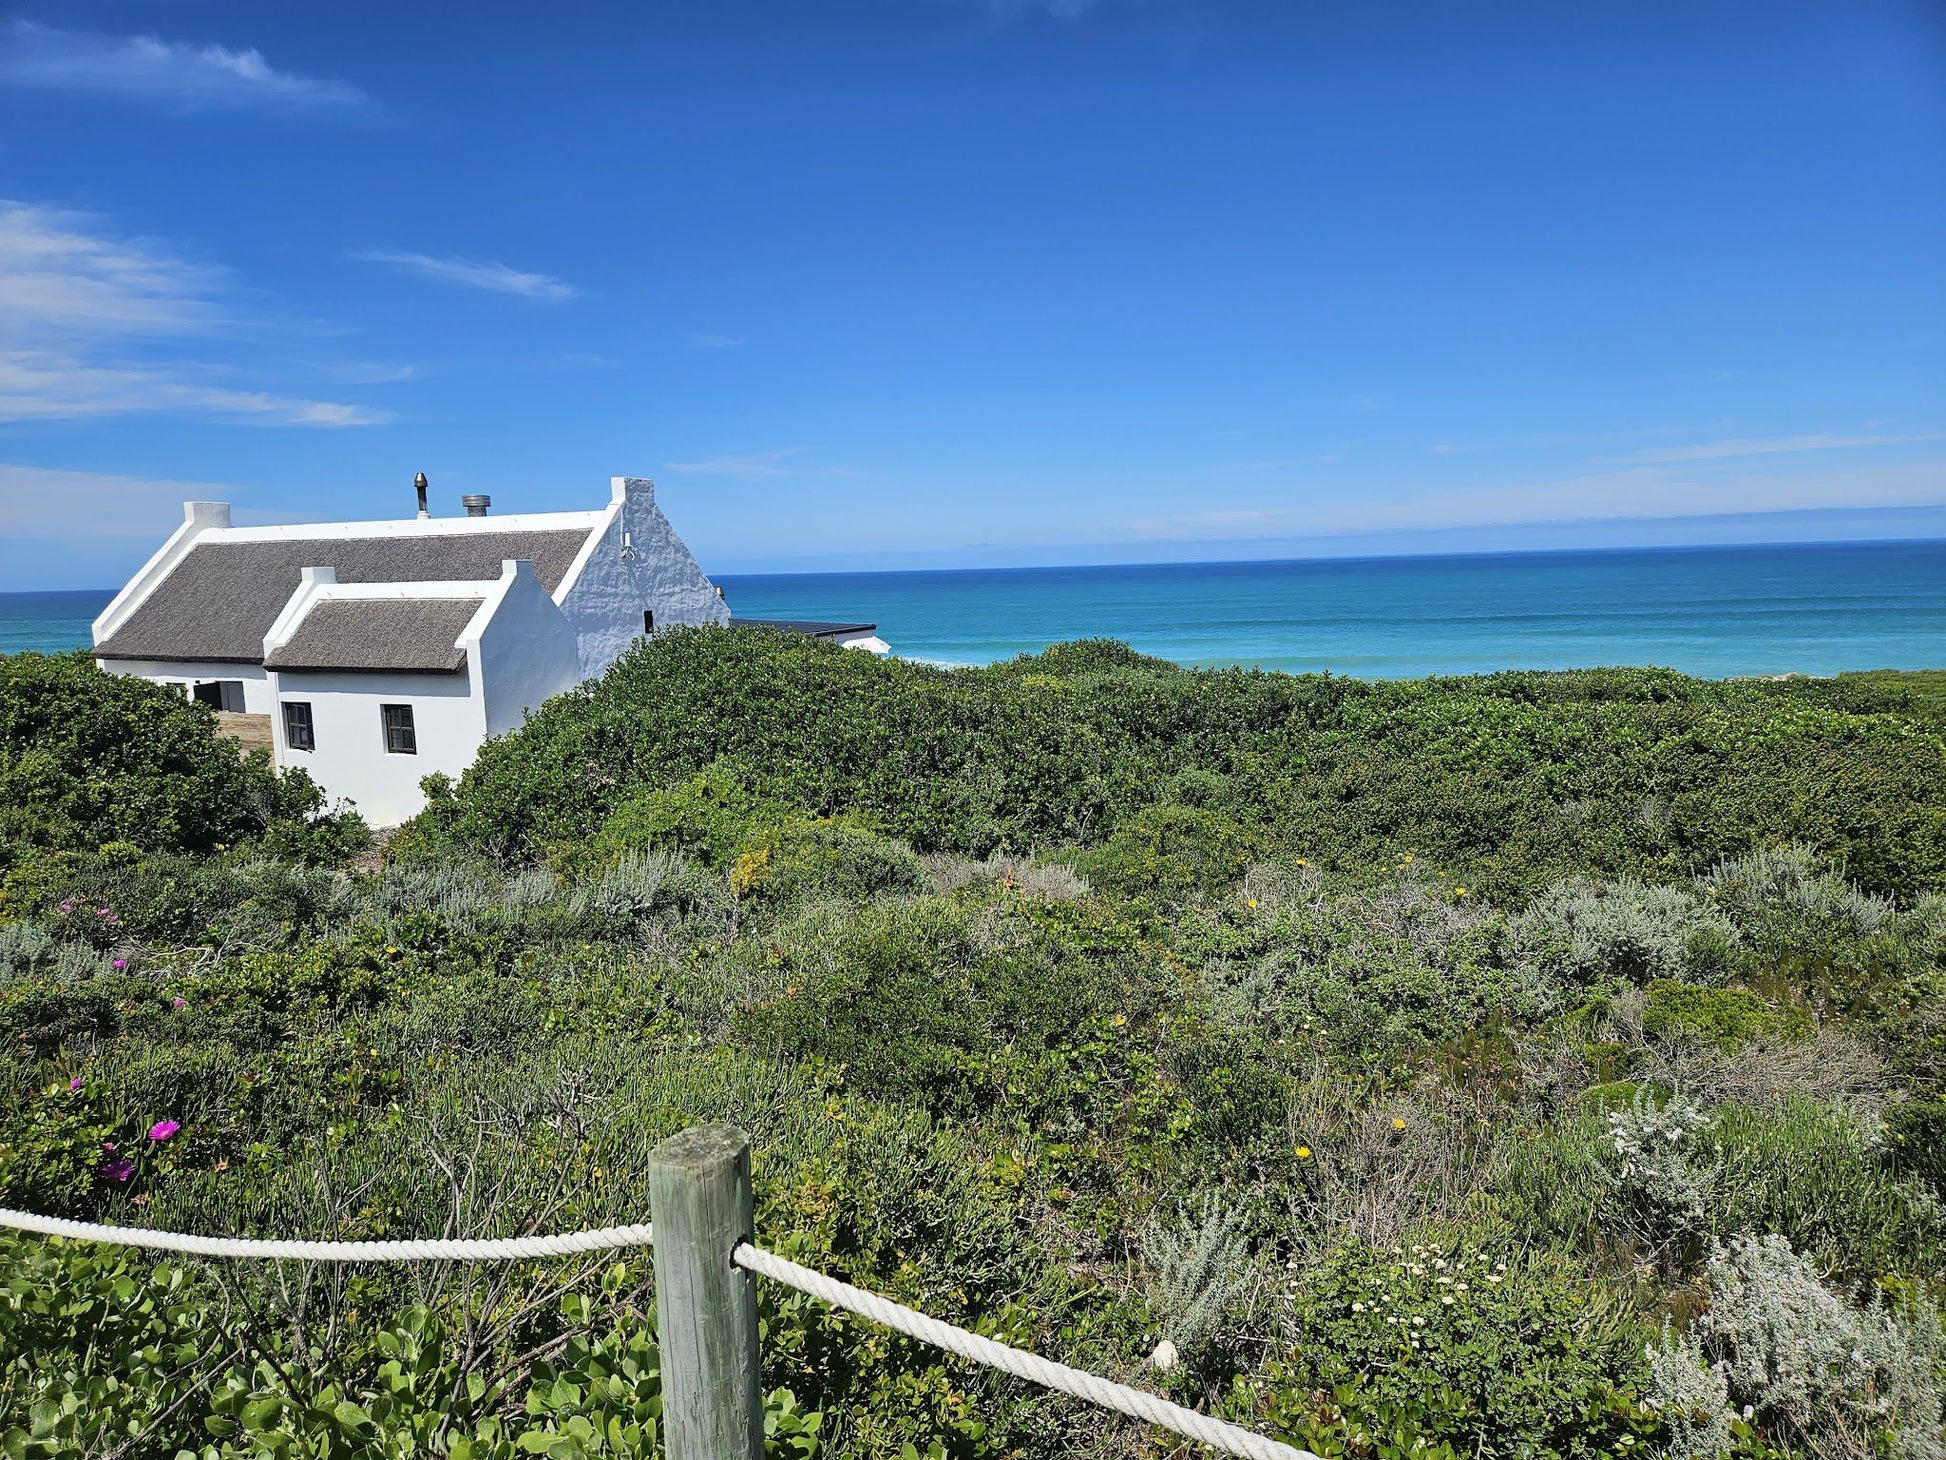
1647 1137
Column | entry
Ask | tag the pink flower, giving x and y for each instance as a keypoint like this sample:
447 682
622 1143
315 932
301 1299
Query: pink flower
163 1129
118 1170
120 964
109 1147
75 1083
179 1002
101 912
68 906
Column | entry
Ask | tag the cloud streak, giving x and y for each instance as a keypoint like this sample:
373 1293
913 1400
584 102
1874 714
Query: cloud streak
1631 493
94 327
39 502
177 73
1771 446
753 466
473 274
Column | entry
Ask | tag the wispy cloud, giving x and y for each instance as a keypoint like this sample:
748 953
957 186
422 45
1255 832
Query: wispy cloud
1647 491
97 326
40 502
752 466
717 342
1058 9
174 72
1771 446
474 274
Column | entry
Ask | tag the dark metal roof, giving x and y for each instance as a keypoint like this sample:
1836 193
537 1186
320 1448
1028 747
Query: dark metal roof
816 628
221 599
382 635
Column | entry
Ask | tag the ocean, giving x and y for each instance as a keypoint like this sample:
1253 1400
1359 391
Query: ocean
1805 609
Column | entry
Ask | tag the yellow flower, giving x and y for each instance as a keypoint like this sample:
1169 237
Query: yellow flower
1459 892
1252 902
1303 1153
1397 1124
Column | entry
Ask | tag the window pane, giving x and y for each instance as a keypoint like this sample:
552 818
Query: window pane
297 725
399 736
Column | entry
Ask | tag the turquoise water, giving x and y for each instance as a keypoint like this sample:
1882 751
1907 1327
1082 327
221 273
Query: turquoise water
1814 609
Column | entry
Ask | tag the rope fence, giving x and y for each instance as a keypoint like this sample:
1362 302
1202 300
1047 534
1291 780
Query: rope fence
448 1249
713 1402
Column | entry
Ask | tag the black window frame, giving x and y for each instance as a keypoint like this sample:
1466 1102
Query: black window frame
401 734
300 728
648 620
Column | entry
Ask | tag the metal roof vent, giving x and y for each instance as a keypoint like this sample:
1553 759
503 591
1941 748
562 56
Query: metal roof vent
476 503
419 485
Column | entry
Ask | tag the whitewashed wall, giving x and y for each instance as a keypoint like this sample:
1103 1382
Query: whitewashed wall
524 654
605 594
256 683
351 761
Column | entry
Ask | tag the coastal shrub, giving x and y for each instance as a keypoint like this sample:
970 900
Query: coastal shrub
1815 1370
1786 901
1511 780
801 859
121 1354
1469 1341
1661 1178
707 818
1626 930
1724 1017
1171 852
88 757
1915 1136
1199 1272
1388 969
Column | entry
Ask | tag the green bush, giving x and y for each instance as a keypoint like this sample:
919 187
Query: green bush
709 817
88 757
1725 1017
1465 1342
798 860
1915 1134
1509 780
1171 852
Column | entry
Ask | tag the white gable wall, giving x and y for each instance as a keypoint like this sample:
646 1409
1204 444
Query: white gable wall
524 651
608 588
351 761
519 652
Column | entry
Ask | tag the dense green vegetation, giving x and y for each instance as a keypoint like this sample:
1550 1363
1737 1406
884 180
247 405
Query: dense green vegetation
1521 1066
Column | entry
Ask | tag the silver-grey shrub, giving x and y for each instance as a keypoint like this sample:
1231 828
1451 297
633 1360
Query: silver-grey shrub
1692 1396
24 947
1584 933
1200 1271
1663 1172
1835 1378
1781 899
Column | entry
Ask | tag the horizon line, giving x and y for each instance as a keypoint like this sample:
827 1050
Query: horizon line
1430 556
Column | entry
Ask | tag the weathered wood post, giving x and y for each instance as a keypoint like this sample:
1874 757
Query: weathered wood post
706 1307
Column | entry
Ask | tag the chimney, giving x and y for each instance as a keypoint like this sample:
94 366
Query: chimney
419 482
476 504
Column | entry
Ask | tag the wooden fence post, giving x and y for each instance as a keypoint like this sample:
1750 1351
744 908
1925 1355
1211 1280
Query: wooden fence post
706 1306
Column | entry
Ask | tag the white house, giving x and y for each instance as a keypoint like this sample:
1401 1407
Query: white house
382 651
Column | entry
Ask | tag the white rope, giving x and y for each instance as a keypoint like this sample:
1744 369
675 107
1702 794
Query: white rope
1137 1403
451 1249
1215 1433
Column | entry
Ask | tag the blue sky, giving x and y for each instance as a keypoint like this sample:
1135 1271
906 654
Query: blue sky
916 282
